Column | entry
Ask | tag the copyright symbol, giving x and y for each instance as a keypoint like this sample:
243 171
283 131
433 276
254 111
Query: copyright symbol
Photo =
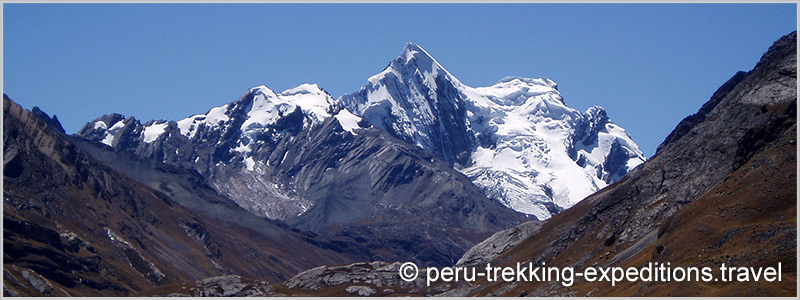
409 271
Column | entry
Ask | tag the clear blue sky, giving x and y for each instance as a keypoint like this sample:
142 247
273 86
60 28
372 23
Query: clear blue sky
649 65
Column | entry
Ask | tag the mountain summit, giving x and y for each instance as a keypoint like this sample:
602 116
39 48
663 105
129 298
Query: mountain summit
416 100
517 139
414 56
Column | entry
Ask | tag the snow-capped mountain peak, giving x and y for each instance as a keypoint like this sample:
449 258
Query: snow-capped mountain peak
515 91
516 139
267 108
418 101
313 100
517 80
414 61
260 107
261 89
417 58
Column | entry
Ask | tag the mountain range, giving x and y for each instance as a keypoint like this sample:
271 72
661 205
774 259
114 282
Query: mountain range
300 193
516 140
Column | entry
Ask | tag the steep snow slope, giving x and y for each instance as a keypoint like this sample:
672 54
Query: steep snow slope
543 152
416 100
517 139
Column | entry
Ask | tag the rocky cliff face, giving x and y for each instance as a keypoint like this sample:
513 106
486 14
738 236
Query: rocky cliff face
500 242
74 224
